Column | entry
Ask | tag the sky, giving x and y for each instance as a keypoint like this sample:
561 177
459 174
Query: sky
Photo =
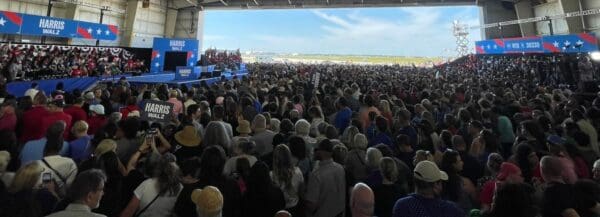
406 31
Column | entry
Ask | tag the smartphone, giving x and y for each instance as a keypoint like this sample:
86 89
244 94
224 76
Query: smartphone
46 177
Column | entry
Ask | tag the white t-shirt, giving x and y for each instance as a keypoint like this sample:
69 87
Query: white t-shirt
291 195
161 207
63 165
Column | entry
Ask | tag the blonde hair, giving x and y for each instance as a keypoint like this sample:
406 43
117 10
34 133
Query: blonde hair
79 127
360 141
27 177
373 157
105 146
4 160
385 106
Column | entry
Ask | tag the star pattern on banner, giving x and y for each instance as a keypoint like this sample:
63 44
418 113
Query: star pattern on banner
107 32
556 44
2 21
98 31
90 30
157 55
157 64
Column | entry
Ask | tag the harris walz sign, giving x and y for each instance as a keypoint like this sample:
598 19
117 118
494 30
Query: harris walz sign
158 111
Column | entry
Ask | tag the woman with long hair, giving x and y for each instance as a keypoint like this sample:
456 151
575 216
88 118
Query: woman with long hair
262 198
26 197
456 188
156 196
526 158
389 191
216 134
212 163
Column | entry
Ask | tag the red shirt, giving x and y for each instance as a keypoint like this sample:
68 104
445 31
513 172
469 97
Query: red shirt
54 117
31 124
8 121
75 73
77 114
125 111
95 123
487 192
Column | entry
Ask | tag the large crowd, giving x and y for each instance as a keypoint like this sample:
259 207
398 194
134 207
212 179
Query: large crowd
39 62
493 136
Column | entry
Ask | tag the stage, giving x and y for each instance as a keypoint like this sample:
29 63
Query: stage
18 88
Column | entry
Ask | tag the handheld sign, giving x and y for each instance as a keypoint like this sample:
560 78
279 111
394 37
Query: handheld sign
158 111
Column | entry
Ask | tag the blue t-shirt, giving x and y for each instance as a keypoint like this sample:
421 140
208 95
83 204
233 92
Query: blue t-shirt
415 205
342 119
34 150
381 138
79 149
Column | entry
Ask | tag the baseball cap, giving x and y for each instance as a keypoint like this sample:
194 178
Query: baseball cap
429 172
98 109
89 96
507 169
58 100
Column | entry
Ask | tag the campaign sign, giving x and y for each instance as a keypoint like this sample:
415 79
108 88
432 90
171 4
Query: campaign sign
520 45
50 26
574 43
27 24
187 72
162 45
158 111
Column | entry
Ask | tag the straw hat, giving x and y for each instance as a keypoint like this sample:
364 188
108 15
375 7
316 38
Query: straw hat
243 127
188 137
209 200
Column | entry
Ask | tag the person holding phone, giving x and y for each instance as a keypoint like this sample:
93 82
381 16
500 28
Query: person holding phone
28 195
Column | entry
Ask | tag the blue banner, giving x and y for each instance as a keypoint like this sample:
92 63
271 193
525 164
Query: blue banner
50 26
10 22
163 45
584 42
26 24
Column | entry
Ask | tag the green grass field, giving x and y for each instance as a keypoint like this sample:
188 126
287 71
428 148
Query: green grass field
364 59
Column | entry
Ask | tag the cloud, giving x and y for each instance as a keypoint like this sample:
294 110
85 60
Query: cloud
409 31
419 31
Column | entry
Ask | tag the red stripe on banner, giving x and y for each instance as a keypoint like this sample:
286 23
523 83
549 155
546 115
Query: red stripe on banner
84 33
479 50
551 48
154 53
189 54
499 42
114 29
13 17
588 38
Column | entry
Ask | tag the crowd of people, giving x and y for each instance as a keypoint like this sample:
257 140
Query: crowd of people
467 138
38 62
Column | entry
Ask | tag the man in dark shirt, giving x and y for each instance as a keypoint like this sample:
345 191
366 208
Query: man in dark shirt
558 199
426 202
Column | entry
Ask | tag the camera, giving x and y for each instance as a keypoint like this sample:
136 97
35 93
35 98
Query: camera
152 131
46 177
